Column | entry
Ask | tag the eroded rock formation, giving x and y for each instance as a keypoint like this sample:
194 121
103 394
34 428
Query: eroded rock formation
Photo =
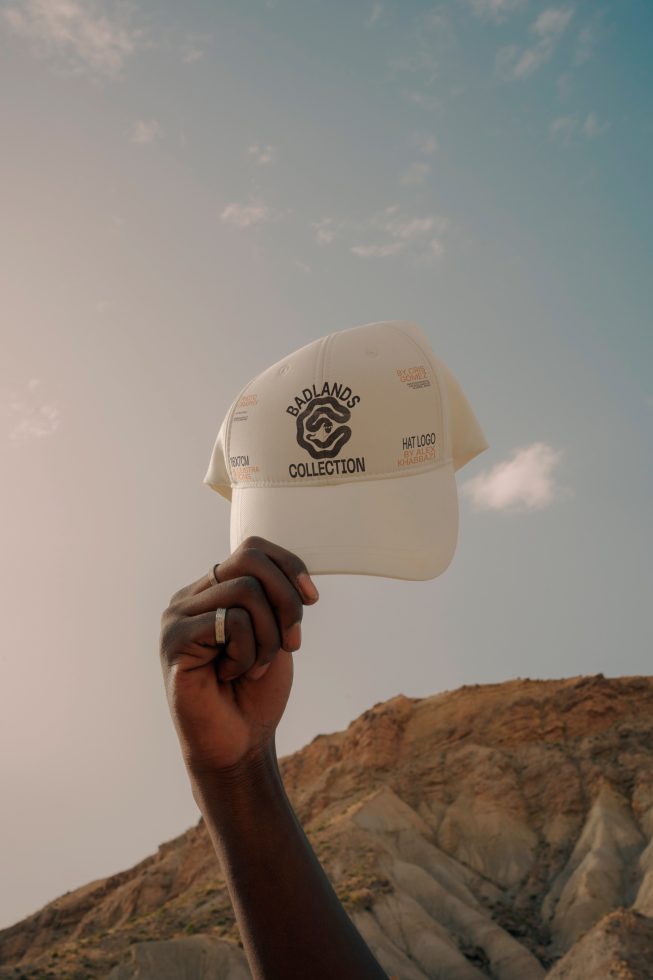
502 831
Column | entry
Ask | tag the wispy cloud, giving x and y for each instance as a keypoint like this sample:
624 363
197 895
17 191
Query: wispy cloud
425 100
496 10
87 36
378 251
375 14
424 142
586 44
594 127
398 233
564 128
145 131
31 417
526 482
246 215
262 154
415 174
513 62
386 233
430 43
325 231
194 47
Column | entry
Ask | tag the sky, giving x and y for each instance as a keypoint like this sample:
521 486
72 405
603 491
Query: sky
191 192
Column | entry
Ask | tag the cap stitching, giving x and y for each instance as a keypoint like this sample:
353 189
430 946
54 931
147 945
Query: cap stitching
262 484
358 548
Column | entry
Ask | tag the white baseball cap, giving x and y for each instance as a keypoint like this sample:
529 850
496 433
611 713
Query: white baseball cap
345 451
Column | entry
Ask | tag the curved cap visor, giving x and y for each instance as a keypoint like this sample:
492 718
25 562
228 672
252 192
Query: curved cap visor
331 527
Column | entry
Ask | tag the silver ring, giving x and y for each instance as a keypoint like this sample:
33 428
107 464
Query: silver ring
220 615
213 578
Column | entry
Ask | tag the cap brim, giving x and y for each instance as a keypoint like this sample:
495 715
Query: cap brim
403 527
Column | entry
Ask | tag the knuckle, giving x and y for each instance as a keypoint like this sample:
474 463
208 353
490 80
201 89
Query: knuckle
238 618
171 636
251 542
175 598
250 553
251 585
170 613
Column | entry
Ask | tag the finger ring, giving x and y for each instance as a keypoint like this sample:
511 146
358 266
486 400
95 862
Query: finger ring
220 615
213 578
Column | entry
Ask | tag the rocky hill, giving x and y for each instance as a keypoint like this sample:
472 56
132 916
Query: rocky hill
503 831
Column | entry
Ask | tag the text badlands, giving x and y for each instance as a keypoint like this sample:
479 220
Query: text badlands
327 467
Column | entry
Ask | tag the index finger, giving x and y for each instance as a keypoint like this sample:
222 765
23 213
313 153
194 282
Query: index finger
289 563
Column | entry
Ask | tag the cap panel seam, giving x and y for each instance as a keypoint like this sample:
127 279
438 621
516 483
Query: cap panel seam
328 358
321 366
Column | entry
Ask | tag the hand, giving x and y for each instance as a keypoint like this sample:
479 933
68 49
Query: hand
226 701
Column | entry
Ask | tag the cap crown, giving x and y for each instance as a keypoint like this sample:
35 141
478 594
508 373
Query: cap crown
371 402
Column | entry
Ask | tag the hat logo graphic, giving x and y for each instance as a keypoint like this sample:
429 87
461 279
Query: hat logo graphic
321 428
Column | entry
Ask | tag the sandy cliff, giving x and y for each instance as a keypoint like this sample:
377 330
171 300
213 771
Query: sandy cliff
501 831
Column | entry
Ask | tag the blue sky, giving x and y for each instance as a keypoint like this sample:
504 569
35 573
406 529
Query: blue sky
191 193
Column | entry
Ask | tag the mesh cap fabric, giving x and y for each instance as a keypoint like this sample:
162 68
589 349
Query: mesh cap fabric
345 453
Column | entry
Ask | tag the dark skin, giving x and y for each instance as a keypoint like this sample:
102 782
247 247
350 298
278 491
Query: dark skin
226 703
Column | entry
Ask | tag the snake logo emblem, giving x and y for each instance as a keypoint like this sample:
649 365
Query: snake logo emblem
322 428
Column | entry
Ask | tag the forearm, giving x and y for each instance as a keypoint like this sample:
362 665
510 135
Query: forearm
291 921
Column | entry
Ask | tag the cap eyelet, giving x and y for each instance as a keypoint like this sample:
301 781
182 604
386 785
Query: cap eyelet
284 369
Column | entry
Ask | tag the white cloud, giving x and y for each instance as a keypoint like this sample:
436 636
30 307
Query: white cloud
513 62
403 232
378 251
30 417
427 45
425 100
525 482
586 45
324 231
146 131
245 215
563 128
388 232
553 22
194 48
415 174
594 127
425 142
409 229
87 35
262 154
496 10
375 14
